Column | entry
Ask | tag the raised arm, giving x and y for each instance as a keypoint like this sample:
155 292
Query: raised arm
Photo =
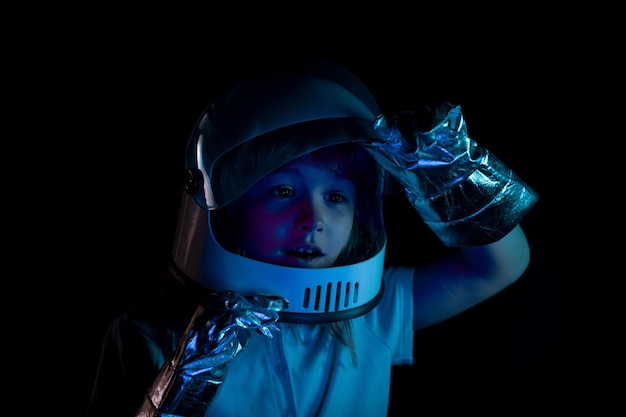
451 285
468 198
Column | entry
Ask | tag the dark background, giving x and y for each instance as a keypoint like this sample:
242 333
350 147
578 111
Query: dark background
123 95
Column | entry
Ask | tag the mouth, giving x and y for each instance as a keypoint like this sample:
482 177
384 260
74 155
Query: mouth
304 253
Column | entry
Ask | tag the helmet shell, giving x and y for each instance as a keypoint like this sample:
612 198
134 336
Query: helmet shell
310 106
292 111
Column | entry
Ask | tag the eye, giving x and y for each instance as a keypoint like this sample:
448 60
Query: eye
283 191
336 198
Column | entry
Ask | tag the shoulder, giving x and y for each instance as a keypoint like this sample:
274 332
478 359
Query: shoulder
396 302
153 320
398 277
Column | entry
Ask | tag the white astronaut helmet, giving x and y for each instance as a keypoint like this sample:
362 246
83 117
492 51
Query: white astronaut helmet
310 104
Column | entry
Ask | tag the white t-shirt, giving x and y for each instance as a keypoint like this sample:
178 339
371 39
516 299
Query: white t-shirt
304 371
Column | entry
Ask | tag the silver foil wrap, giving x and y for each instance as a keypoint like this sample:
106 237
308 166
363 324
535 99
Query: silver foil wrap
219 329
464 193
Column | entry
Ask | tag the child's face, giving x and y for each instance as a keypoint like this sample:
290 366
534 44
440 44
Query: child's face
299 215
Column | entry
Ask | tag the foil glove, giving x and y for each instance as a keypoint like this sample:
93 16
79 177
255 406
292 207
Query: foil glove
466 195
220 328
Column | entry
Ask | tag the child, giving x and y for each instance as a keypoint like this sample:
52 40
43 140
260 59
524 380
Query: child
279 300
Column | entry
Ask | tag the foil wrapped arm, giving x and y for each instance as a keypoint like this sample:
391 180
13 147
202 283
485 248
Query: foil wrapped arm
219 329
464 193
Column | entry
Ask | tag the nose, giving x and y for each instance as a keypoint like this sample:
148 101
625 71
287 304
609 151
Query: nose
311 216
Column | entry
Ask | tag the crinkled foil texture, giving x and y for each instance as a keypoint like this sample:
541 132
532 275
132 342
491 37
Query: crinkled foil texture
464 193
220 328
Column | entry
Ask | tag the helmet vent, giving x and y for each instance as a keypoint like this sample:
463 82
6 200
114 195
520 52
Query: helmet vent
325 299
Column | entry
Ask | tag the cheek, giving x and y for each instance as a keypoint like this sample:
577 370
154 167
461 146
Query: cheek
266 228
346 227
261 228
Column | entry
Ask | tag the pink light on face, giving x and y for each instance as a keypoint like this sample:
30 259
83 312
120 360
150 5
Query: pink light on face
300 215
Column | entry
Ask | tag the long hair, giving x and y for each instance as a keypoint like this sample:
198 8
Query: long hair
368 233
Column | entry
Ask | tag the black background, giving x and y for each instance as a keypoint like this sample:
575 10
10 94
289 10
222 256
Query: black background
113 97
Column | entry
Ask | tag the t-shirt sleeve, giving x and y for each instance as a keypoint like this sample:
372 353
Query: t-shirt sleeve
130 360
394 314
